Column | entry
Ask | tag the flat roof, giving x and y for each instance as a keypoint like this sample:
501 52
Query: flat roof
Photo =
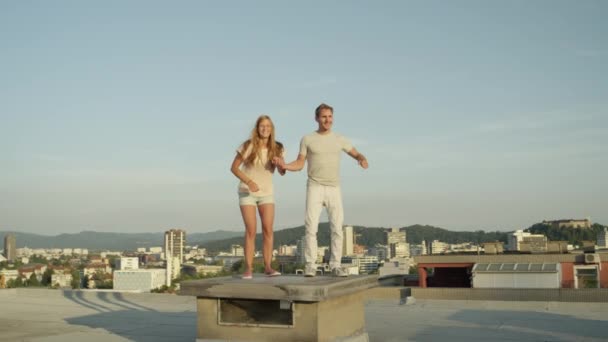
504 258
44 315
286 287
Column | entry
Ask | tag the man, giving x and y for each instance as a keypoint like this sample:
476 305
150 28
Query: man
322 149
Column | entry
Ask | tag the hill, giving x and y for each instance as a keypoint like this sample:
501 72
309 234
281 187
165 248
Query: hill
368 236
109 241
572 235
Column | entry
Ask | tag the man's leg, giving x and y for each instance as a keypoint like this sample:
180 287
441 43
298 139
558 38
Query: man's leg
314 205
335 212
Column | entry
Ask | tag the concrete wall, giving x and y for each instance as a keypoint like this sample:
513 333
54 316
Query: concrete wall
550 295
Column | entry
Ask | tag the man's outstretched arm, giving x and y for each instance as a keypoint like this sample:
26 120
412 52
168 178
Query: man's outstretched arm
295 165
359 157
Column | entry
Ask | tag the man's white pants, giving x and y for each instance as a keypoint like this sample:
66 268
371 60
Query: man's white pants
317 197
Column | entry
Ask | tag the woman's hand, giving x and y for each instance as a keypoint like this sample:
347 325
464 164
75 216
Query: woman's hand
253 187
278 162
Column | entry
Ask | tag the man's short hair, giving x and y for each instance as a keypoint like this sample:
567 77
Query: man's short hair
321 107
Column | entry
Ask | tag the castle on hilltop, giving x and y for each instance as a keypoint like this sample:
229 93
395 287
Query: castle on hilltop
569 223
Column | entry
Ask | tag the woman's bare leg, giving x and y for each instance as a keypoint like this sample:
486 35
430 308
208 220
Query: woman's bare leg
250 220
267 218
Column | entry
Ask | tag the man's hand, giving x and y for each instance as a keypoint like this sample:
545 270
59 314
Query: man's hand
362 161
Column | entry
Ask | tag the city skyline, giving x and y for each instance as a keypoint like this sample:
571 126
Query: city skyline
125 117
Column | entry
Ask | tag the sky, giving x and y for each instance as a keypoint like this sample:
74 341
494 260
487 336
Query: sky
124 116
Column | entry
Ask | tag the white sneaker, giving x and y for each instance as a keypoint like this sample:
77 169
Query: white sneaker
339 272
310 270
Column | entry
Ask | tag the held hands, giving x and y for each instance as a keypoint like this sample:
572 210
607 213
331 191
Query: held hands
278 162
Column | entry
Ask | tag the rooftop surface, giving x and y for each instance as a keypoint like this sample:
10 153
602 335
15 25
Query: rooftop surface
287 287
55 315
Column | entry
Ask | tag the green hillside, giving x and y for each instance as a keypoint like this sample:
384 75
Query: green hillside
368 236
572 235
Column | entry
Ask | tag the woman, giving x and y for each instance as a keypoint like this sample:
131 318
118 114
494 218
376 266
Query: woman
255 189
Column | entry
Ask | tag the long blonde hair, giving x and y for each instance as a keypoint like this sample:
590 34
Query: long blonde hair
275 148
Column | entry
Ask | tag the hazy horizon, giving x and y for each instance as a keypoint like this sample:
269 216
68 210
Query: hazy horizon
125 116
241 229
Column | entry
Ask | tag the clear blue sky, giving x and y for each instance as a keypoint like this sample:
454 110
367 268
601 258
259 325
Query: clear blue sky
125 115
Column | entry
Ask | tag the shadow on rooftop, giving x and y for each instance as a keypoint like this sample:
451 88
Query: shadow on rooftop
508 325
116 313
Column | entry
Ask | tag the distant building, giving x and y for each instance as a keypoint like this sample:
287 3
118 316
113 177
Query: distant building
380 251
300 251
237 250
569 270
61 278
139 280
155 250
348 240
193 269
175 242
359 249
36 269
399 250
438 247
96 268
467 247
395 266
127 263
288 250
496 247
534 244
569 223
366 264
10 247
9 274
419 249
527 242
602 238
396 241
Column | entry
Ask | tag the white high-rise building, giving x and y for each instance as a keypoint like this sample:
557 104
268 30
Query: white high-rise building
175 242
348 241
396 241
10 247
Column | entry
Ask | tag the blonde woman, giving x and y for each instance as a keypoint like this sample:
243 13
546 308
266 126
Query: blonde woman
253 166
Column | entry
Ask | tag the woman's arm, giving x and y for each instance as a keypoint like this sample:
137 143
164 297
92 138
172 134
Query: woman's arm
235 168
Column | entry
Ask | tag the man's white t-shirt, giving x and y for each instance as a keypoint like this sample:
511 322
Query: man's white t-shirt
323 152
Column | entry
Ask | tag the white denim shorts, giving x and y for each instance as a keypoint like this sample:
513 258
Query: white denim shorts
246 198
